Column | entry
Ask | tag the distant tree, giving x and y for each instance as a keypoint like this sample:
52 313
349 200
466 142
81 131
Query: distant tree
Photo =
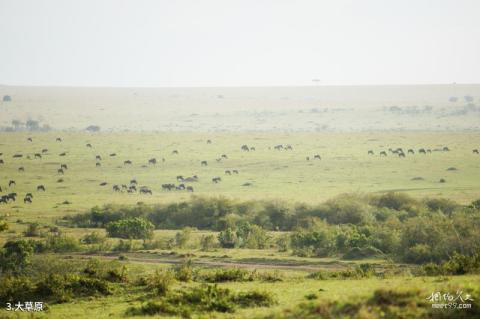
207 242
131 228
16 124
182 237
32 125
3 225
468 98
93 128
453 99
7 98
15 256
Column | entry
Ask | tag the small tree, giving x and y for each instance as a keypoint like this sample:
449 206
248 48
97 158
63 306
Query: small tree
228 238
182 237
15 256
131 228
93 128
207 242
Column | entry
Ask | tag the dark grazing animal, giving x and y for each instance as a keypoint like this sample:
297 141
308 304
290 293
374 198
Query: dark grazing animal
21 169
410 151
204 163
58 139
446 149
29 139
1 161
133 182
175 152
370 152
168 186
116 188
11 183
145 190
317 156
89 145
37 155
27 200
152 161
245 148
103 184
113 154
127 162
235 171
227 172
62 154
17 156
64 166
45 150
422 151
190 189
209 142
475 151
383 153
98 158
180 178
40 188
216 179
224 156
60 171
98 164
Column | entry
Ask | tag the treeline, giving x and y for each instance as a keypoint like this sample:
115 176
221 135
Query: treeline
352 226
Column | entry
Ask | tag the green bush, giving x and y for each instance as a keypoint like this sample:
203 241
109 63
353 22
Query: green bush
131 228
207 242
226 275
161 282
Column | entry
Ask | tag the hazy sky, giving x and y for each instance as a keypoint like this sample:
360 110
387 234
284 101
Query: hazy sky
247 42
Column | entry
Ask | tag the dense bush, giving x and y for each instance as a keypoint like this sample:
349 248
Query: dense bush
131 228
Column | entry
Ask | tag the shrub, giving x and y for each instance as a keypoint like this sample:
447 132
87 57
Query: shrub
183 237
15 256
207 242
62 244
228 238
227 274
254 299
94 238
33 230
184 272
161 282
15 288
131 228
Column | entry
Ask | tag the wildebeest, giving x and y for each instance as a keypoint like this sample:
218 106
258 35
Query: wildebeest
224 156
60 180
180 187
12 196
40 188
227 172
235 171
193 178
4 199
145 190
410 151
180 178
30 139
204 163
103 184
27 200
133 182
218 159
1 161
21 169
58 139
289 147
445 149
168 186
216 179
45 150
317 156
124 187
370 152
98 158
89 145
383 153
252 148
174 152
401 154
17 156
11 183
245 148
278 147
475 151
116 188
113 154
422 151
63 166
37 155
60 171
307 158
127 162
152 161
98 164
29 195
62 154
209 142
190 189
132 189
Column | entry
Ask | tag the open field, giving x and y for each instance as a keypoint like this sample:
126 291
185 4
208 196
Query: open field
286 175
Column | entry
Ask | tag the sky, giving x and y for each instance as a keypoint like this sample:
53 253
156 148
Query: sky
238 43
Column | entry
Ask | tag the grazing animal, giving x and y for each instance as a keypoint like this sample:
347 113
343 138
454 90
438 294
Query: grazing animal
40 188
168 186
1 190
89 145
98 158
307 158
45 150
316 156
422 151
58 139
21 169
218 159
27 200
60 171
370 152
410 151
278 147
132 188
401 154
1 161
245 148
216 179
12 196
98 164
209 142
62 154
152 161
289 147
145 190
190 189
383 153
113 154
180 178
103 184
227 172
11 183
29 195
133 182
446 149
29 139
37 155
180 187
224 156
252 148
116 188
175 152
127 162
193 178
64 166
17 156
235 171
204 163
475 151
60 180
124 187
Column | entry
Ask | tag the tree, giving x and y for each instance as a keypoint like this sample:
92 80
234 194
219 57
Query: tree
15 256
131 228
93 128
228 238
207 242
182 237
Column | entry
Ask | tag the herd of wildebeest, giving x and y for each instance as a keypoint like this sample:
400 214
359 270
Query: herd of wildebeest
132 186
